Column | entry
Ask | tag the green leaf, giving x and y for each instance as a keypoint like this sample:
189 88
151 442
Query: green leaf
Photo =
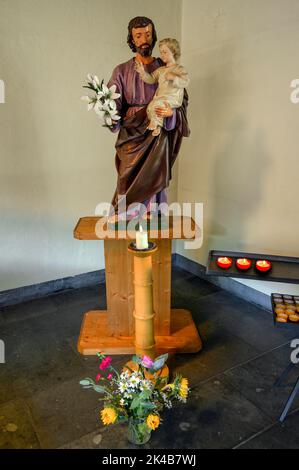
87 383
136 359
99 389
122 419
140 412
146 394
135 403
147 405
86 86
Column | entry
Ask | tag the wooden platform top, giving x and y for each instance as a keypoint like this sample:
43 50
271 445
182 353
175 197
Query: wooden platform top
95 228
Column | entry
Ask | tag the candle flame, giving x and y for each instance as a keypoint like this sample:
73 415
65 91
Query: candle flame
263 262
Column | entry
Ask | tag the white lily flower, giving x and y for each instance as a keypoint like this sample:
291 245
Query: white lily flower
114 115
105 89
108 121
106 106
103 102
113 95
112 104
96 80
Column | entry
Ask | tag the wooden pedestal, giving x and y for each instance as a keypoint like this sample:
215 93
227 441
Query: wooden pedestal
112 331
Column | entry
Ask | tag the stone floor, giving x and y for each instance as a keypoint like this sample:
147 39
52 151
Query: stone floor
232 403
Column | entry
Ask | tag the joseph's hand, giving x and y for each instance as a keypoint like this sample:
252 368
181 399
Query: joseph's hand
165 111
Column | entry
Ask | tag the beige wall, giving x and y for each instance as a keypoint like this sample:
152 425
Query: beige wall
57 162
242 157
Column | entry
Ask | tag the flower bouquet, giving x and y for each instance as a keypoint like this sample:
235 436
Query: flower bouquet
137 396
102 101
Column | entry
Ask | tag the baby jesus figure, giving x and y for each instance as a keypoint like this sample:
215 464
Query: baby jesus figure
172 79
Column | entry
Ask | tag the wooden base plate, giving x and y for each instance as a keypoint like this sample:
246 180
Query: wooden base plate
184 337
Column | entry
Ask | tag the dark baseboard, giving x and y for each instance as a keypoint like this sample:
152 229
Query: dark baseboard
22 294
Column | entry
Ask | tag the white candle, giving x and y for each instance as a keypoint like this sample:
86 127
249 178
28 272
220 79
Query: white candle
141 239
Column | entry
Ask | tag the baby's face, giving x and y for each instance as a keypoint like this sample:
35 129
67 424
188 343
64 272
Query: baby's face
166 54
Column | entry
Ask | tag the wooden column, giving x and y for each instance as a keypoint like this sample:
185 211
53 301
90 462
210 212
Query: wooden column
143 305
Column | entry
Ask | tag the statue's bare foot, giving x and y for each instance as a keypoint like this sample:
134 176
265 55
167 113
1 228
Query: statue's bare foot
156 131
151 126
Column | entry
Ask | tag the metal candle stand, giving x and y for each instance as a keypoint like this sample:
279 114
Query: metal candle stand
293 394
284 269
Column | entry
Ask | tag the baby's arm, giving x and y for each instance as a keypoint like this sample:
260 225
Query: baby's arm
179 77
149 78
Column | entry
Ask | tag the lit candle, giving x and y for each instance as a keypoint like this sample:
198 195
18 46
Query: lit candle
263 265
224 262
141 239
243 263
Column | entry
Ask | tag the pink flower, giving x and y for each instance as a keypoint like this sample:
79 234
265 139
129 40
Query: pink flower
105 363
147 362
109 376
98 377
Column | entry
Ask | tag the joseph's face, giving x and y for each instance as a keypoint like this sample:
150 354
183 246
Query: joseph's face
143 39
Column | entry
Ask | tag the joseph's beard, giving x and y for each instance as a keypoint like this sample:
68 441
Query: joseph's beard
144 51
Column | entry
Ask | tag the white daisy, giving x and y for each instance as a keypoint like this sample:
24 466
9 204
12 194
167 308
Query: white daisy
122 387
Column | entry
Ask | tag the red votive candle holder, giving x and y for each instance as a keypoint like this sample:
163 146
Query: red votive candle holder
243 263
263 265
224 262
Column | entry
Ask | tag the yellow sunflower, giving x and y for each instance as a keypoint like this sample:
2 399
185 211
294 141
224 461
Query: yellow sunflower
108 415
183 388
153 421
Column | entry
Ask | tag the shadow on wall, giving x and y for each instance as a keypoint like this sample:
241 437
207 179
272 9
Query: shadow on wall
239 170
236 158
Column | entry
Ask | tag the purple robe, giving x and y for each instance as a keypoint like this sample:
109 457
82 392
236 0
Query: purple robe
134 91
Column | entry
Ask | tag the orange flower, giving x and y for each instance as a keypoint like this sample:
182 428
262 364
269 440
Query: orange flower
183 391
153 421
108 415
